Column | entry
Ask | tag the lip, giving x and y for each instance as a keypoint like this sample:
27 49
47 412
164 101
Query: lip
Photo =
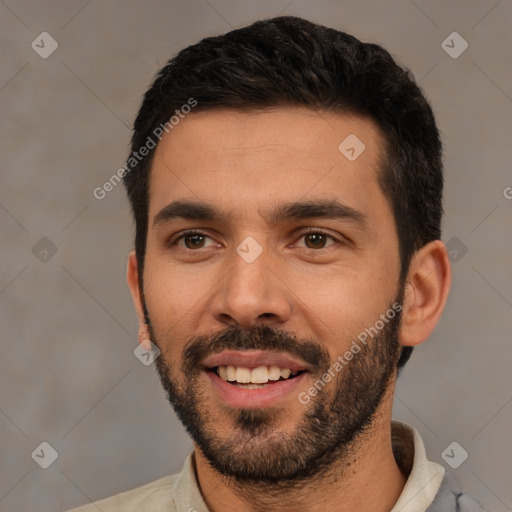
253 359
268 396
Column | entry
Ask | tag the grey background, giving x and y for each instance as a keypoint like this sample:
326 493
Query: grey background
68 375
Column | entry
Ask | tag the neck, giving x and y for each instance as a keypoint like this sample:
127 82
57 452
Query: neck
365 477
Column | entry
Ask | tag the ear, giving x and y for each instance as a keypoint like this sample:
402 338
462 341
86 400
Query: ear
132 277
428 284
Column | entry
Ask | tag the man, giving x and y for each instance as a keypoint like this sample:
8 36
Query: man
286 185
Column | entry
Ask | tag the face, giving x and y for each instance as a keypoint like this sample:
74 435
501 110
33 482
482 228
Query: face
270 255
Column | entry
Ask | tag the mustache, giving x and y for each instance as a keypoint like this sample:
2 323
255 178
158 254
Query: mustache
257 338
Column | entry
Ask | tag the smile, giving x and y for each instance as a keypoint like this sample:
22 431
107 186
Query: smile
251 379
255 378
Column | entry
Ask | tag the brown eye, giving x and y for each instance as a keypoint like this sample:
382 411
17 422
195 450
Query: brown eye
316 240
192 240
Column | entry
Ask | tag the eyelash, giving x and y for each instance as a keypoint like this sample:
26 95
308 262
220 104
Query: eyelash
315 231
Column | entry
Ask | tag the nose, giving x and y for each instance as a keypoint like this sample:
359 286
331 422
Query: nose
252 294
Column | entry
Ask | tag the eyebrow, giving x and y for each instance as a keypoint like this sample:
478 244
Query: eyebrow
330 209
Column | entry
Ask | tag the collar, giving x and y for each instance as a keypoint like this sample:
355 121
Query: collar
424 476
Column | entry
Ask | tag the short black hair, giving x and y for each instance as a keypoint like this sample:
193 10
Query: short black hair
289 61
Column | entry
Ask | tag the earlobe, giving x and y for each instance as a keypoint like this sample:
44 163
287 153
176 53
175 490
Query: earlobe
144 337
132 277
428 285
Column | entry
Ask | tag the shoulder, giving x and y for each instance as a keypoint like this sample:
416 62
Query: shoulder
450 498
155 496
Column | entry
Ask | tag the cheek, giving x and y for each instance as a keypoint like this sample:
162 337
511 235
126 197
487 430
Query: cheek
166 297
340 304
167 284
175 296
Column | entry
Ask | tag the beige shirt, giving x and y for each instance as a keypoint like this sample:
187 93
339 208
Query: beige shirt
180 492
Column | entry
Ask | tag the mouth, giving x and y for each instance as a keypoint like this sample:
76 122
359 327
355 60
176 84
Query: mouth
253 379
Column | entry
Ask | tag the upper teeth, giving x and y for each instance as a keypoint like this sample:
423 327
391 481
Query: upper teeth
259 375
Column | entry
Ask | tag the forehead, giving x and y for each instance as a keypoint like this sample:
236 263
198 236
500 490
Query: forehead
240 160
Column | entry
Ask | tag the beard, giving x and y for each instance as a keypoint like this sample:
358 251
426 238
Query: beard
253 450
